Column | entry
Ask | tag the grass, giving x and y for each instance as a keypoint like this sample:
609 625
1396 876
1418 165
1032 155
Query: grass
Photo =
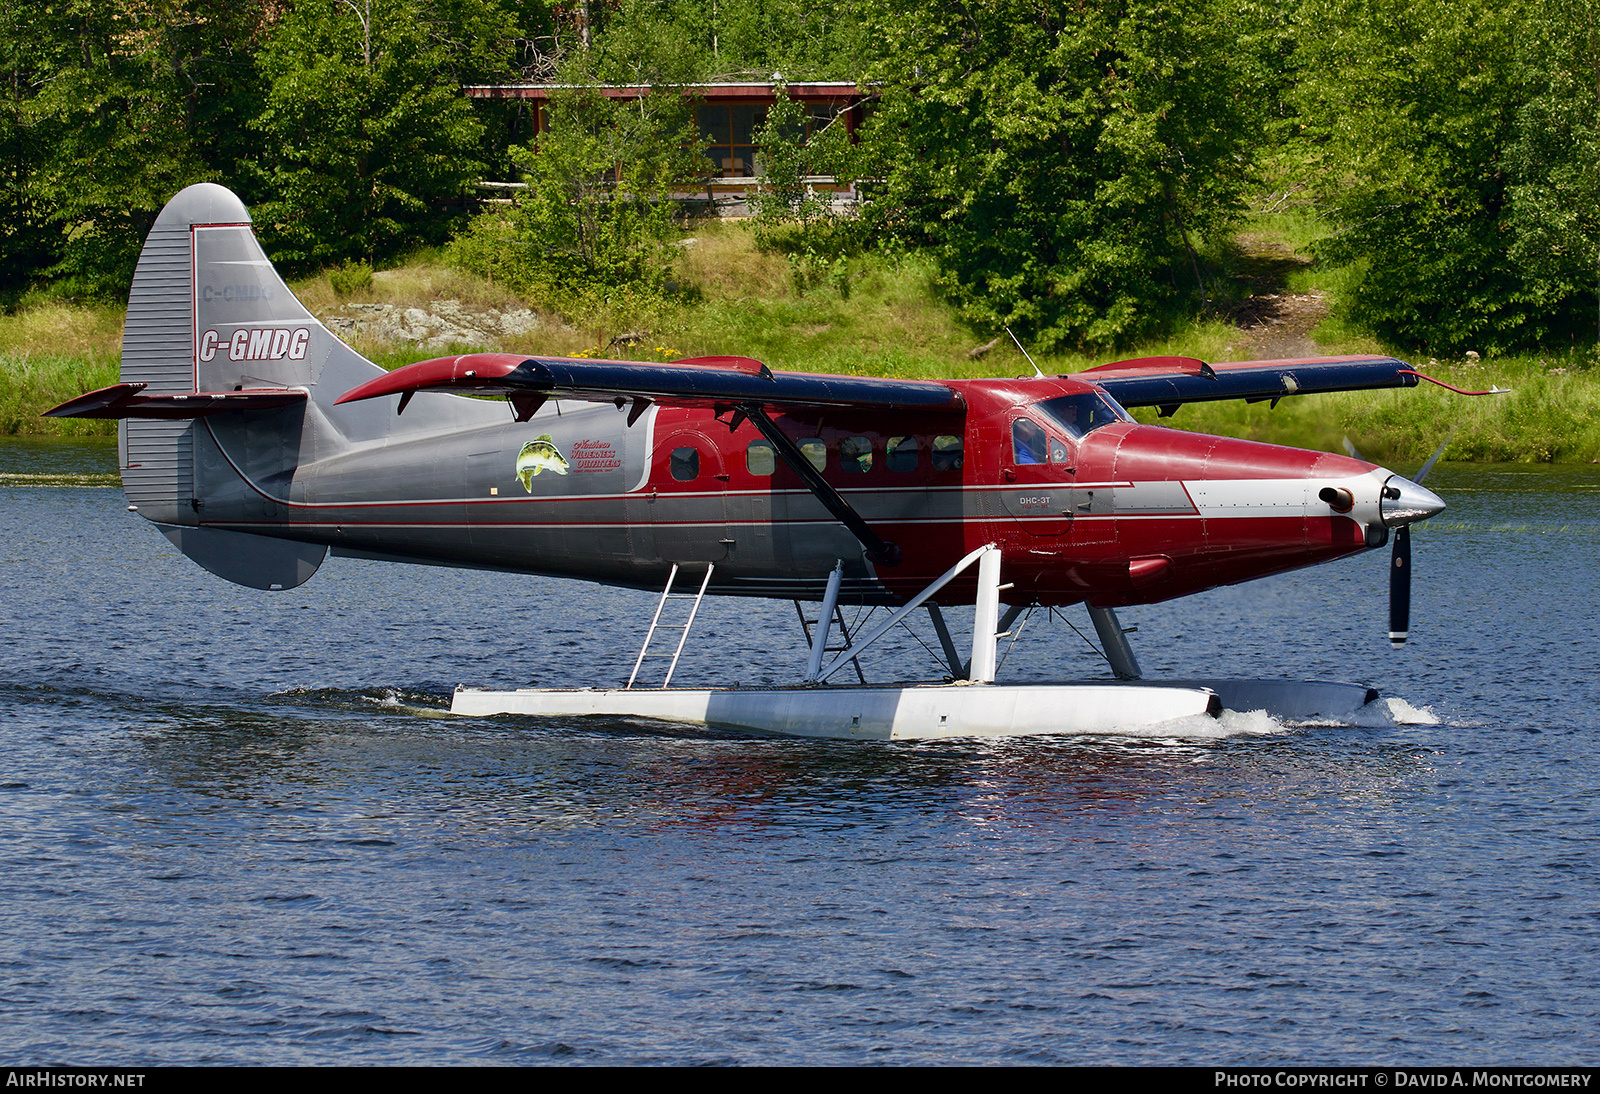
881 315
49 352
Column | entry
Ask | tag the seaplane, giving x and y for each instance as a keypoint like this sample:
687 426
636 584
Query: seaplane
258 443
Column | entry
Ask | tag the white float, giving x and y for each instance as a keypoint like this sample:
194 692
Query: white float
972 707
870 713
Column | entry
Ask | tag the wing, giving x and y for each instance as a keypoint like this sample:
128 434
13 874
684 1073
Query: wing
1169 382
697 381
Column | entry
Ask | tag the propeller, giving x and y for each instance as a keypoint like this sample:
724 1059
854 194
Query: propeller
1400 557
1409 505
1400 588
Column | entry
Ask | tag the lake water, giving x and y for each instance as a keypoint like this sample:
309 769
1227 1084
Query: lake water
239 827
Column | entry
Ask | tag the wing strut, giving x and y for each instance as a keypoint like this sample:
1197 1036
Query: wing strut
879 550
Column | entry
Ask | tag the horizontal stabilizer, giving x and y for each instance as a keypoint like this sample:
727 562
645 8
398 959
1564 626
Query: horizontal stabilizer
127 401
701 382
1170 382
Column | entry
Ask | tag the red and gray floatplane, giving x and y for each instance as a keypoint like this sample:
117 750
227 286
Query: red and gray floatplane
257 442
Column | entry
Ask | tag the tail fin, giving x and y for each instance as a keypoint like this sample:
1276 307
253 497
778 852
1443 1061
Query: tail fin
228 390
207 313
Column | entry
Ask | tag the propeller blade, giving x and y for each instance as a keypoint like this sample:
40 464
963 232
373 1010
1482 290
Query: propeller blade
1400 587
1433 459
1351 450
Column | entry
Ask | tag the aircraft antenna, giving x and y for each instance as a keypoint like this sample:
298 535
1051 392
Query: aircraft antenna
1036 371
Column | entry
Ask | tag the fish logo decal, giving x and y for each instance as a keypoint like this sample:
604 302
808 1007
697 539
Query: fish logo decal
539 454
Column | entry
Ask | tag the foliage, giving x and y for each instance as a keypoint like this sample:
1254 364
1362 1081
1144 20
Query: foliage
350 278
1554 162
595 218
1067 169
1060 162
695 40
1420 108
111 108
789 158
367 132
27 242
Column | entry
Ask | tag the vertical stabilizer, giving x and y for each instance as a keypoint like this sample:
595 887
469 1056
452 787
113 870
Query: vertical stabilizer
208 313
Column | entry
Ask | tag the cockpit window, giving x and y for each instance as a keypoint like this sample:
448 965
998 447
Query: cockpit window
1029 442
1079 415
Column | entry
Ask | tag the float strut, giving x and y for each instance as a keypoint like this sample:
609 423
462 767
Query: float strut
958 669
988 559
1124 666
986 619
819 644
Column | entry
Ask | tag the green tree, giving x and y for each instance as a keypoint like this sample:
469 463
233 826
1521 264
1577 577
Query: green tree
789 158
367 130
596 215
1554 163
1063 164
697 40
28 241
1446 168
111 108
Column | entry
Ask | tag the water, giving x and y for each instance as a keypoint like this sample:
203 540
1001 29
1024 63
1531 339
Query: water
238 827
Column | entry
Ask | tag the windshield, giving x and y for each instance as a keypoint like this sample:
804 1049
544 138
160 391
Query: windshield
1082 414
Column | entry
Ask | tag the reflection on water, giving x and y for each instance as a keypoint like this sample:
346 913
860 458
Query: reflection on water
240 827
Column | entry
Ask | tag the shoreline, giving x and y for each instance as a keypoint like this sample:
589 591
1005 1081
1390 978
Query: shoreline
890 321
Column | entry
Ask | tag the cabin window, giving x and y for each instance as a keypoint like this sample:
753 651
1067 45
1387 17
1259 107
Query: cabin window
947 453
901 453
685 464
855 455
729 132
816 452
1029 444
760 459
1079 415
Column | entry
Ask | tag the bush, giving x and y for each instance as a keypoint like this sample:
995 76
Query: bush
596 219
1468 209
350 278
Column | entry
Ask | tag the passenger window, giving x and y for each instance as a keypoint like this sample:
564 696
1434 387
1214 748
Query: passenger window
1028 442
855 455
947 453
901 454
816 452
685 464
759 458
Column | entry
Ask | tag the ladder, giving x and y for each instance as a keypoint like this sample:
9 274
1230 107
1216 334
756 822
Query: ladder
838 620
656 624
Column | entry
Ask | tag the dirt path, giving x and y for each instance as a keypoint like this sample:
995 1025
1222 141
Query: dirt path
1279 325
1273 323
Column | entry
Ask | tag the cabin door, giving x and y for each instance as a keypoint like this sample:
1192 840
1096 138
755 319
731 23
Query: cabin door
688 509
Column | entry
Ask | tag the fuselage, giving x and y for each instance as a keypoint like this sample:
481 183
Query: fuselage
1086 504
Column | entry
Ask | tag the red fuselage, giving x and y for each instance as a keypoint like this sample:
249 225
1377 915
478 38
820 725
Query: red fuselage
1123 514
